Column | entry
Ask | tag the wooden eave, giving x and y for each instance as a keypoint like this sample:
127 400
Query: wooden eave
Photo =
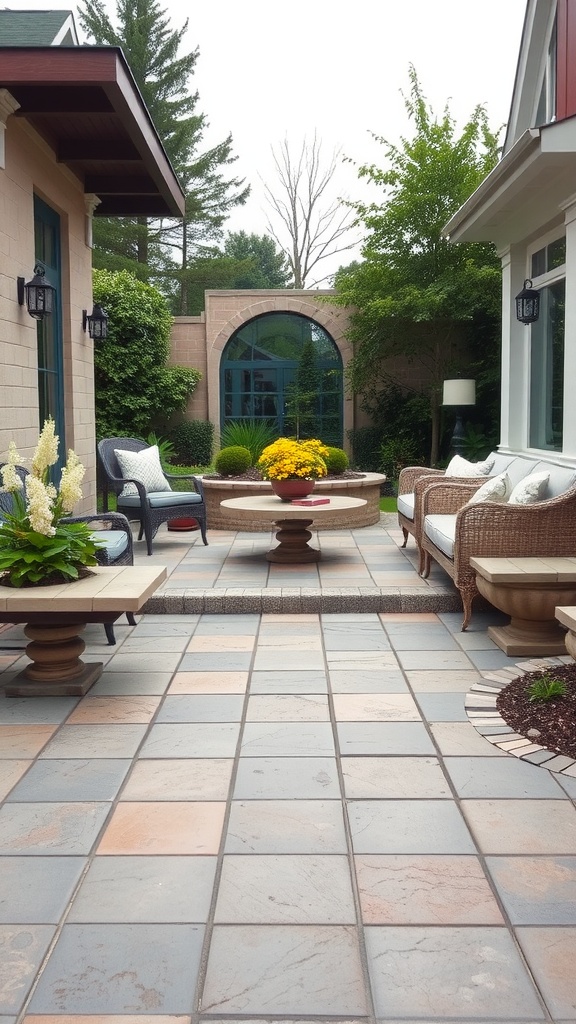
84 102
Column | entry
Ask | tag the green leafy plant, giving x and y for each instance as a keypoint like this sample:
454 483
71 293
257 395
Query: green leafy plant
165 447
37 545
336 461
546 688
193 441
233 461
397 452
255 436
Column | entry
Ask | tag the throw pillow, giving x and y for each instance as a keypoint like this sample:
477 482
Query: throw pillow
497 488
143 466
461 467
529 490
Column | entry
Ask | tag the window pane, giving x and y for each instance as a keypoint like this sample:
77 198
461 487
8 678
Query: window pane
547 370
539 263
556 254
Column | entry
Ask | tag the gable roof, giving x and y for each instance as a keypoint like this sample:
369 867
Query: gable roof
530 69
37 28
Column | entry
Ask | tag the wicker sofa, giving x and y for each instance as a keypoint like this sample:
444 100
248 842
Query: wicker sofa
451 532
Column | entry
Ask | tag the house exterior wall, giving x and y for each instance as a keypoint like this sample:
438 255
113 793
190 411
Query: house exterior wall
31 168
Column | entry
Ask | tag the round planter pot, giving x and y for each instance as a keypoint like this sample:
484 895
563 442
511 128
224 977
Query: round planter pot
183 524
287 490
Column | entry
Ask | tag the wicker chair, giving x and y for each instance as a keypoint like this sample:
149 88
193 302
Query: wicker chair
150 509
116 538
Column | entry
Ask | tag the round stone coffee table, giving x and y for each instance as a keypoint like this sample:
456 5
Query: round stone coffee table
292 522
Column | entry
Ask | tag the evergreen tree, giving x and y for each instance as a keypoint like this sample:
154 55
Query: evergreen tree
268 266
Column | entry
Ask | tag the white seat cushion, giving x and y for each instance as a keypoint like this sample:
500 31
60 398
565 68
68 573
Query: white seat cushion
162 499
441 531
115 541
529 490
143 466
405 504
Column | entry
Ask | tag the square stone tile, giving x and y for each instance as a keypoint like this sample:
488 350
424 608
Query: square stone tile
22 950
454 738
288 682
366 681
164 828
442 660
191 739
201 707
114 710
417 638
551 955
354 661
209 682
284 969
155 644
81 741
379 738
221 661
147 628
536 890
10 773
37 890
283 778
127 890
442 682
287 707
23 741
195 778
35 710
220 643
453 973
522 826
268 659
281 826
127 683
496 777
337 640
146 662
408 826
287 739
107 968
71 779
285 890
439 890
372 707
50 828
287 642
221 625
394 777
442 707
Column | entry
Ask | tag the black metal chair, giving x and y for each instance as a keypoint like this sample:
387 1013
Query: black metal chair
150 509
116 538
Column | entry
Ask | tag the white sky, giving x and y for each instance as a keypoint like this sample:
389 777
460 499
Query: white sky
269 71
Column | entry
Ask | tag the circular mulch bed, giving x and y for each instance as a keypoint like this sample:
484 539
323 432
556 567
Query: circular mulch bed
255 474
555 719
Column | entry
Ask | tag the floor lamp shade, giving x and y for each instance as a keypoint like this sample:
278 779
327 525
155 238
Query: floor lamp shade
459 391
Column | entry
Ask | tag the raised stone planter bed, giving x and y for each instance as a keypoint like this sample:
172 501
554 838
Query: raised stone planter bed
367 487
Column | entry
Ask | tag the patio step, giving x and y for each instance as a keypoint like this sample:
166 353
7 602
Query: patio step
234 601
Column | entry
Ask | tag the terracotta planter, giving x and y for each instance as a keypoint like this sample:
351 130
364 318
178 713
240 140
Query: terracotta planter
183 524
289 489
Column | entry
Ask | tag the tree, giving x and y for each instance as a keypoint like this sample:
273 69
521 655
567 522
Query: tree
302 394
134 384
415 292
153 249
268 267
311 224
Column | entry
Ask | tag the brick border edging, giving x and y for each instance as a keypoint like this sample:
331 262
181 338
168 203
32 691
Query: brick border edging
230 600
480 705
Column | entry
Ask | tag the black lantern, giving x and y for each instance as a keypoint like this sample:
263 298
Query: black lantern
528 304
39 294
97 322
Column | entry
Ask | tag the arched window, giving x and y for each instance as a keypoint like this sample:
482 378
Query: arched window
286 369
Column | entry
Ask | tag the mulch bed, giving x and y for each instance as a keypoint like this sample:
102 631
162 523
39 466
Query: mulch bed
254 474
555 719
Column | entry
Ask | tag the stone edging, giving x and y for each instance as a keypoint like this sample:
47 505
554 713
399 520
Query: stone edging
482 713
232 600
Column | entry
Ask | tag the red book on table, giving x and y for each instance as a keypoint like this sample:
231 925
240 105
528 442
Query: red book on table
310 501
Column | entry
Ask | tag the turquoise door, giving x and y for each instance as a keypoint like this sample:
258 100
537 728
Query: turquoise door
49 330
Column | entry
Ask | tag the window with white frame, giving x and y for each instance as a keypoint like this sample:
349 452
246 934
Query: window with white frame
548 272
546 109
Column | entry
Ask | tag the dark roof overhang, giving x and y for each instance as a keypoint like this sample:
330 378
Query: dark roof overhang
84 102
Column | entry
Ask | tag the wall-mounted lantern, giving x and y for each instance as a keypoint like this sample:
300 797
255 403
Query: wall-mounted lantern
97 322
38 292
528 303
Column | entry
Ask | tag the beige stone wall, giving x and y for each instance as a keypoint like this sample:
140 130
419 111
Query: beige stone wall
31 168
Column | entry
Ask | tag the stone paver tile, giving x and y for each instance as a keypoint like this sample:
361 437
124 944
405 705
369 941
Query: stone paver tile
10 773
392 620
145 662
288 708
111 710
164 828
220 643
81 741
22 950
288 739
183 627
493 777
353 661
107 968
195 778
407 826
430 681
281 826
365 681
449 973
522 826
536 890
287 642
71 779
441 660
191 739
414 639
281 778
399 777
106 1018
209 682
220 625
425 890
139 889
267 659
35 710
155 644
442 707
50 828
37 890
551 954
225 661
288 682
454 738
364 641
371 707
125 684
201 707
284 969
23 741
285 890
384 738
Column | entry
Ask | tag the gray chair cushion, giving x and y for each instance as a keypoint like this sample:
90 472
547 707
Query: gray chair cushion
441 530
501 462
161 499
519 468
115 541
405 503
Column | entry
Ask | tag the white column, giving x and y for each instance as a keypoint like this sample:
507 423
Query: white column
515 380
7 106
569 426
91 201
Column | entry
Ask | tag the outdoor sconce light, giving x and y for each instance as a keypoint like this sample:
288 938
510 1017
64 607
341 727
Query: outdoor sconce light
528 304
97 322
39 294
459 392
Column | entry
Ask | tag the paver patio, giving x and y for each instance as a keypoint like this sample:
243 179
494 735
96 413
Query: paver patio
280 817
